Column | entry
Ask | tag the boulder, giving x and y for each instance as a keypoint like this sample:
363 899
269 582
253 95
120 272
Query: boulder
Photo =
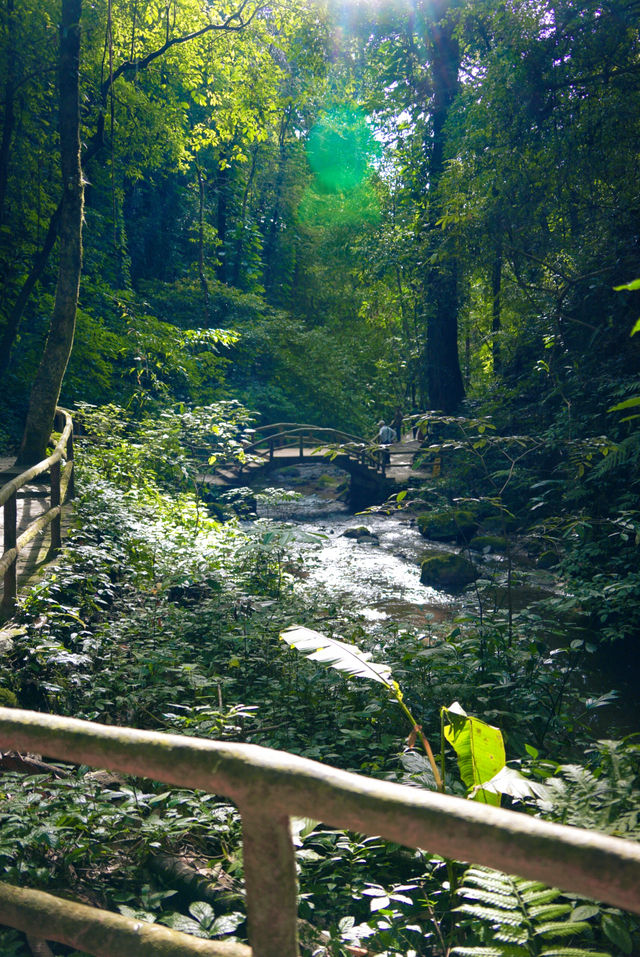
360 533
448 525
448 571
489 543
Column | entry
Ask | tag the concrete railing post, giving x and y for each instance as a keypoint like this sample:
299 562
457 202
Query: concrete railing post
56 524
270 883
10 575
72 483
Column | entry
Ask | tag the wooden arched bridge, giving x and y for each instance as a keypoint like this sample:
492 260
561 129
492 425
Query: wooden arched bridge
376 471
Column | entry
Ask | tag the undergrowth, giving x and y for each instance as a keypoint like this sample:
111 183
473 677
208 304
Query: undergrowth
160 616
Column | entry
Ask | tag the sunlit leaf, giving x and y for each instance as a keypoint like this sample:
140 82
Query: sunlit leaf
629 286
480 750
338 654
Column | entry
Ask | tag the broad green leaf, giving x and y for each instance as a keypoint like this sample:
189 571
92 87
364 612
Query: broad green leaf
338 654
636 328
615 929
300 827
627 404
629 286
203 913
480 750
226 924
186 924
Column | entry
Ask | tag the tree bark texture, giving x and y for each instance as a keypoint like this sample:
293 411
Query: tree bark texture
444 378
48 382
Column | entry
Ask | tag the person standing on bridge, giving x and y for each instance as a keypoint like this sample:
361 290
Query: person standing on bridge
386 435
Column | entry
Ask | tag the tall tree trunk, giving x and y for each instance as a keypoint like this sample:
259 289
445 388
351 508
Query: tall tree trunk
444 378
271 237
38 267
239 253
496 325
222 185
46 388
203 279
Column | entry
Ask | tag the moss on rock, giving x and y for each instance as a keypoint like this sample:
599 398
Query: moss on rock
448 525
447 571
360 532
492 543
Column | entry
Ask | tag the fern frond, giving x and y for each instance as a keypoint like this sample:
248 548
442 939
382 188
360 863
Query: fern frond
338 654
499 917
555 928
506 951
550 911
518 917
544 896
491 880
573 952
626 451
525 886
495 898
512 935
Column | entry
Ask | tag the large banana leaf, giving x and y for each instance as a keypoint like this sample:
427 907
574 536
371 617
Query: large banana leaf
480 750
338 654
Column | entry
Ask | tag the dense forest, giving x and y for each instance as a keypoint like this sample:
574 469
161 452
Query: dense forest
217 216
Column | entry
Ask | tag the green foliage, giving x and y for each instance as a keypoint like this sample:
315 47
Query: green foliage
513 917
604 795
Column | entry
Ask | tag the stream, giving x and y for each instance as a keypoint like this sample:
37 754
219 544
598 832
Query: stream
377 577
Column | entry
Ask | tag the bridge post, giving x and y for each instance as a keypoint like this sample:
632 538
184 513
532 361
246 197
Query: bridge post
271 450
56 523
270 881
10 575
72 476
301 447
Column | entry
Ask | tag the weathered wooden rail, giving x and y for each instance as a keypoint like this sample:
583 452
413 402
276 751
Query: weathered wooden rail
61 489
306 439
269 787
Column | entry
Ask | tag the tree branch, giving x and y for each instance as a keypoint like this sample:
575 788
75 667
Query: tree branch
233 24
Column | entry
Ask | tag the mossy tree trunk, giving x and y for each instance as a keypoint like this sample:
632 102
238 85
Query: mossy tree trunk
48 382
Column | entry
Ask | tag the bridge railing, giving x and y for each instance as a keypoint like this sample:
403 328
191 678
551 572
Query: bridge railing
61 478
269 787
294 435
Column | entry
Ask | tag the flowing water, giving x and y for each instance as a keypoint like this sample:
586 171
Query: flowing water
376 575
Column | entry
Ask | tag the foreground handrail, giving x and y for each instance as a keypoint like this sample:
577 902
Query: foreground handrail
269 787
61 489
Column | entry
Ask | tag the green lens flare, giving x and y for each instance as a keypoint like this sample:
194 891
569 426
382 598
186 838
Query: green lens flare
340 149
341 152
